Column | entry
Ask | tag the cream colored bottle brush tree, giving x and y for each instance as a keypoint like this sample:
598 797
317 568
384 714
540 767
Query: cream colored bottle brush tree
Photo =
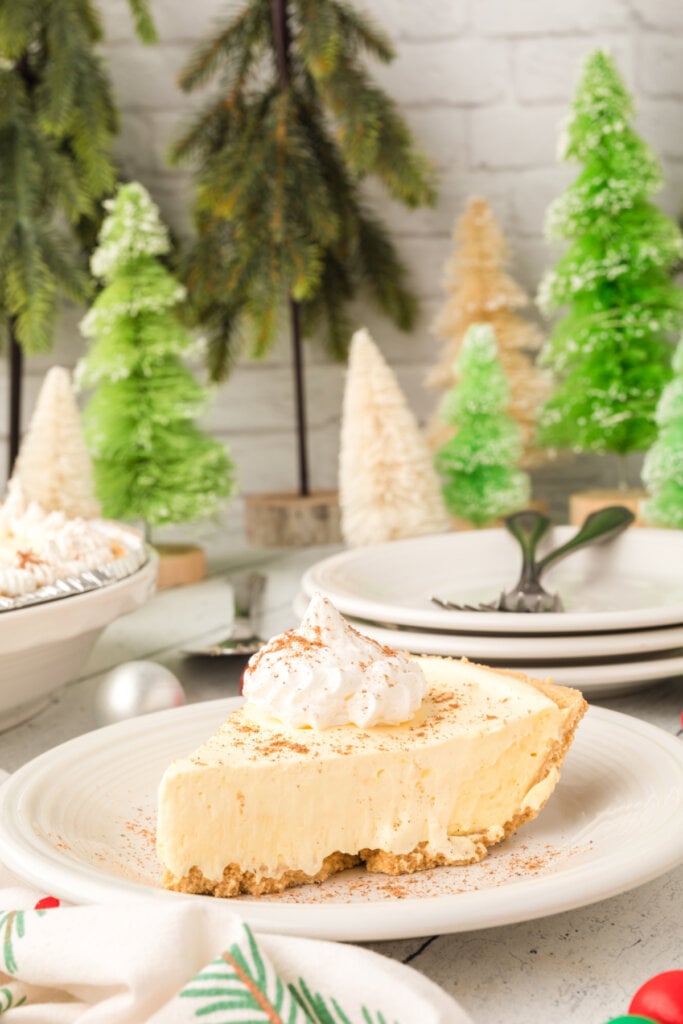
53 467
479 290
387 486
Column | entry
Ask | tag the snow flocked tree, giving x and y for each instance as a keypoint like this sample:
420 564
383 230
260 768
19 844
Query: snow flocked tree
151 462
54 467
610 353
479 290
663 466
387 486
478 465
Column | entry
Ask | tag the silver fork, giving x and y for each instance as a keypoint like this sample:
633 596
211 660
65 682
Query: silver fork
528 527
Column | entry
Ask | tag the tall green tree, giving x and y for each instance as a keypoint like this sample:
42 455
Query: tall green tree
478 465
611 352
57 125
151 462
281 151
663 466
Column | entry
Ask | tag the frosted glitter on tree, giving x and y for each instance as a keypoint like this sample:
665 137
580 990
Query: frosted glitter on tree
387 486
610 353
478 465
479 290
663 466
151 462
54 467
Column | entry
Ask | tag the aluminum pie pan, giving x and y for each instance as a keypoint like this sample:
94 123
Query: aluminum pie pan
89 579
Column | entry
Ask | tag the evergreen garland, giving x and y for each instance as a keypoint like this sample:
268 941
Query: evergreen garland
478 464
280 156
663 466
150 461
57 124
611 352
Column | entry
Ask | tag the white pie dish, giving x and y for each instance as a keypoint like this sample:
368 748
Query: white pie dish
45 645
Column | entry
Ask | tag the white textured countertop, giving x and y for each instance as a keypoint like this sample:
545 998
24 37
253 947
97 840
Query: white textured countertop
582 966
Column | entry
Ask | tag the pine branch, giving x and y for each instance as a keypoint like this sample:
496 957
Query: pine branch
330 29
17 25
233 50
384 274
143 21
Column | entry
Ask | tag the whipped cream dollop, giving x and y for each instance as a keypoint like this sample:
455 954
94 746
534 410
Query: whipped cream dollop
38 547
326 673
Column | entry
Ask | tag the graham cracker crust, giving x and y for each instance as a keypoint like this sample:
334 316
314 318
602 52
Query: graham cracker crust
235 882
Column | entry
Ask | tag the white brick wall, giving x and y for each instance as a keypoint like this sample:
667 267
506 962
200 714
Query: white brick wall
484 85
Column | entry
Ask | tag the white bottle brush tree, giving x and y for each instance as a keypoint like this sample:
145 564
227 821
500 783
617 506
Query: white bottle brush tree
387 486
53 467
151 462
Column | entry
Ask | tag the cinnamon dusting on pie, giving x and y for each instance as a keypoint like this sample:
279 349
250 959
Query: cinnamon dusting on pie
26 558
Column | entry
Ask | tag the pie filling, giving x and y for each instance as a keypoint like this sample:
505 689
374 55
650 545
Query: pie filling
262 806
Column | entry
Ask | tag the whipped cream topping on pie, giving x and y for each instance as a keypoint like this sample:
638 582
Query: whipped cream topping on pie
37 548
325 673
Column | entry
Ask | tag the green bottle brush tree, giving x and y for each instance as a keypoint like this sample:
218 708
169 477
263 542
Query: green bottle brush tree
478 465
663 466
151 462
610 353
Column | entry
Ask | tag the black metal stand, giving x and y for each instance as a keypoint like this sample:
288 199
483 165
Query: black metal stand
16 373
281 36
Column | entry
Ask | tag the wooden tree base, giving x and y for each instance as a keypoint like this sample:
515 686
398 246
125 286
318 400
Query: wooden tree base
292 520
582 503
180 564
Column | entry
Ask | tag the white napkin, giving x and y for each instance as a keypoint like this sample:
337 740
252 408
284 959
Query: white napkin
166 963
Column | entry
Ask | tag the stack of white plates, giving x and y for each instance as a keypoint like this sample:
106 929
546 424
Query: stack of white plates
622 626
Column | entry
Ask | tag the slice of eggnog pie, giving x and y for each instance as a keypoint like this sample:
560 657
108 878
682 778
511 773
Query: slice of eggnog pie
347 752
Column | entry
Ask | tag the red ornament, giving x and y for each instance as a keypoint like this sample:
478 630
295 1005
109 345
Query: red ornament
47 903
661 998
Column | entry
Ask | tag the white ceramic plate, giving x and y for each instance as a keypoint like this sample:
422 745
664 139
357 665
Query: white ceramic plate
79 822
634 582
575 647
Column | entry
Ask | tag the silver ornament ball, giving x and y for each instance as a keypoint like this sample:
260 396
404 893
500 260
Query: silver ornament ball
136 688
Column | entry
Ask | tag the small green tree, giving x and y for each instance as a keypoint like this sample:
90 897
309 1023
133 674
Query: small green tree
281 151
57 125
151 462
610 353
663 466
478 464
